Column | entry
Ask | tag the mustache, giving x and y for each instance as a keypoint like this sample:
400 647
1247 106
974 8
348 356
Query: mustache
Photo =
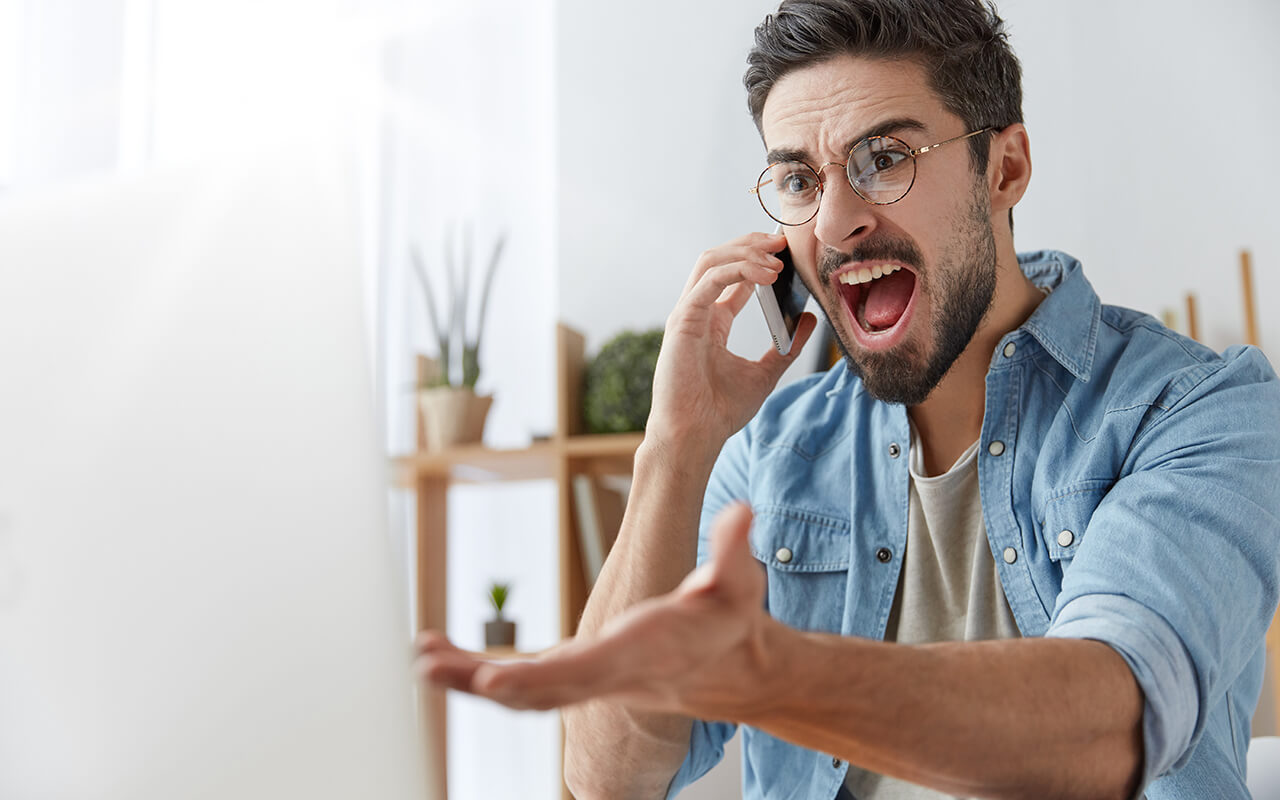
902 251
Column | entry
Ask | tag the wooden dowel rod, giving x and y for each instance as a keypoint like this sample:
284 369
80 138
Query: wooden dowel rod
1193 326
1250 315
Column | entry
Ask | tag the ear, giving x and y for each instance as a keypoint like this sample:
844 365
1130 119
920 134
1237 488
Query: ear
1009 170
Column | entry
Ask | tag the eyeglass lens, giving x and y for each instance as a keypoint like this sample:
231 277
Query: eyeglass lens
880 169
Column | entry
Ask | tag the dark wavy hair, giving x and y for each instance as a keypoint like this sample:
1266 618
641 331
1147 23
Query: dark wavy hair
962 45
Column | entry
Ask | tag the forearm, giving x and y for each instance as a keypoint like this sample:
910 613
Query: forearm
1017 718
607 746
657 544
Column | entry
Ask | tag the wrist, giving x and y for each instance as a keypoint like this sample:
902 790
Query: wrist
690 458
785 685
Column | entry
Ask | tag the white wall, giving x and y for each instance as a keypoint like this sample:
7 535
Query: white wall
1151 126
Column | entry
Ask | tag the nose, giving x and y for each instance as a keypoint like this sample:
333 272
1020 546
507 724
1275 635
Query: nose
843 216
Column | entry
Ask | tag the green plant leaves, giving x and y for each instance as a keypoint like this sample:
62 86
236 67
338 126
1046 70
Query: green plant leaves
618 385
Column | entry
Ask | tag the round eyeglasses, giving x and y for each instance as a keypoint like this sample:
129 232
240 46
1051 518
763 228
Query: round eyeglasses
881 169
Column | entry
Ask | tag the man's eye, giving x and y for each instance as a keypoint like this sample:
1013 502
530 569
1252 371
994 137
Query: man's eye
796 183
887 160
881 165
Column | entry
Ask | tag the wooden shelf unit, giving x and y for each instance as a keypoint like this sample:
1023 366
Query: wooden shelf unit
568 453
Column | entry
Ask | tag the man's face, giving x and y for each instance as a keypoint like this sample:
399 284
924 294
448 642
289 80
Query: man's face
900 332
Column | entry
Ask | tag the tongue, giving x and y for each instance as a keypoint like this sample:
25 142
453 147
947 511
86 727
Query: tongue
887 298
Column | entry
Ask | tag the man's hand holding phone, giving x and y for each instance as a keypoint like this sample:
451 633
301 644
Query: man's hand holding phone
702 393
783 302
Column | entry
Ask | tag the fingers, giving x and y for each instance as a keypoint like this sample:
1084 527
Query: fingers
753 249
573 673
568 673
621 661
731 571
715 280
443 664
730 250
428 641
449 669
735 572
729 532
737 296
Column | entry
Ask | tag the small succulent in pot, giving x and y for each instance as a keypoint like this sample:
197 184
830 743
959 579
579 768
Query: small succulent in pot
499 632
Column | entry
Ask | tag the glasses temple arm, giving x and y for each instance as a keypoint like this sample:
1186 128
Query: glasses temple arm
961 137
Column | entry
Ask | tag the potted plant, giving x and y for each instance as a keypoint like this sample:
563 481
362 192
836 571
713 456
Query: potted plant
618 383
452 411
499 632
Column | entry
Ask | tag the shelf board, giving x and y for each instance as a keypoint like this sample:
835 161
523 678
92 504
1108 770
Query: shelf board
506 654
605 445
480 464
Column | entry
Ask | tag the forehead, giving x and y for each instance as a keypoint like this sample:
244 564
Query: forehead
821 108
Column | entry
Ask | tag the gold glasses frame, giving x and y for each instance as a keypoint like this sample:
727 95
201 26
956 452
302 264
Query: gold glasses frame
766 178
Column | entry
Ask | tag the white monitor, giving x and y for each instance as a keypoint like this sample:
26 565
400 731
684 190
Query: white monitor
197 594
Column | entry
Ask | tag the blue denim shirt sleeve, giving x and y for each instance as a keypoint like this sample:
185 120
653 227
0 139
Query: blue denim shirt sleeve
729 482
1177 567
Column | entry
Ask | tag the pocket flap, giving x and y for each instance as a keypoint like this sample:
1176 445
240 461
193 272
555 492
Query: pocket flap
1067 515
800 541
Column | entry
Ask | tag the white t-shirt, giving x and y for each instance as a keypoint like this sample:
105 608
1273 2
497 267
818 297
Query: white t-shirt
948 589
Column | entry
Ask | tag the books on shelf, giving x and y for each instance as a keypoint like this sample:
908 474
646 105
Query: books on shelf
598 508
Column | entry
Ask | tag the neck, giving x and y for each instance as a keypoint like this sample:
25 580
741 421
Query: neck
950 418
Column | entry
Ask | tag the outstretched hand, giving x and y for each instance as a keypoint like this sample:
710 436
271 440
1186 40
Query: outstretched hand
704 650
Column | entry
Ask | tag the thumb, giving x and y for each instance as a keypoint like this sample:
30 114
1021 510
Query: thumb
733 572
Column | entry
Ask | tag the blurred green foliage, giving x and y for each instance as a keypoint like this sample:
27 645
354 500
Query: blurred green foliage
618 387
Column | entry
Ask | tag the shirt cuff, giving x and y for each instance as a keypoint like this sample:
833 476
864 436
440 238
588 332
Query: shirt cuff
1160 663
706 748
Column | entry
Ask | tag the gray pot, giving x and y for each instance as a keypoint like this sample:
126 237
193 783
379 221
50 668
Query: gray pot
500 633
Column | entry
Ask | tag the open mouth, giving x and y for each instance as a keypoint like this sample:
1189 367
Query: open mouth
877 296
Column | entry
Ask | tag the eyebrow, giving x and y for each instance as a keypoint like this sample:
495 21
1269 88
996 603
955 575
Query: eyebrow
889 126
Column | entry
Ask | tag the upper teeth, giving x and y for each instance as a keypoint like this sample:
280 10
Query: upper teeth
865 275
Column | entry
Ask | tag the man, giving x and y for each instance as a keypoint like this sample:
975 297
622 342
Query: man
1060 517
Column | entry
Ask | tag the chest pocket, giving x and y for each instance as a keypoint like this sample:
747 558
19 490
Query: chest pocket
806 557
1066 516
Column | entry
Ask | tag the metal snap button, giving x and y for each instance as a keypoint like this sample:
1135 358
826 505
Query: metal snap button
783 555
1010 555
1010 349
1066 538
996 448
884 555
835 762
894 450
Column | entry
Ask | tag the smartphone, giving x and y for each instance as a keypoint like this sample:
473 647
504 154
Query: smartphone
783 302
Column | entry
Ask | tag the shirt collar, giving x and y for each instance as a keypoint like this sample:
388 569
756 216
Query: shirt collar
1066 322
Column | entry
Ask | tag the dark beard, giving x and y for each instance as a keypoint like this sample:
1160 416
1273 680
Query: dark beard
964 296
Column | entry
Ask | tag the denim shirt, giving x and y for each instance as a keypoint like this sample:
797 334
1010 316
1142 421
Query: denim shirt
1130 483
